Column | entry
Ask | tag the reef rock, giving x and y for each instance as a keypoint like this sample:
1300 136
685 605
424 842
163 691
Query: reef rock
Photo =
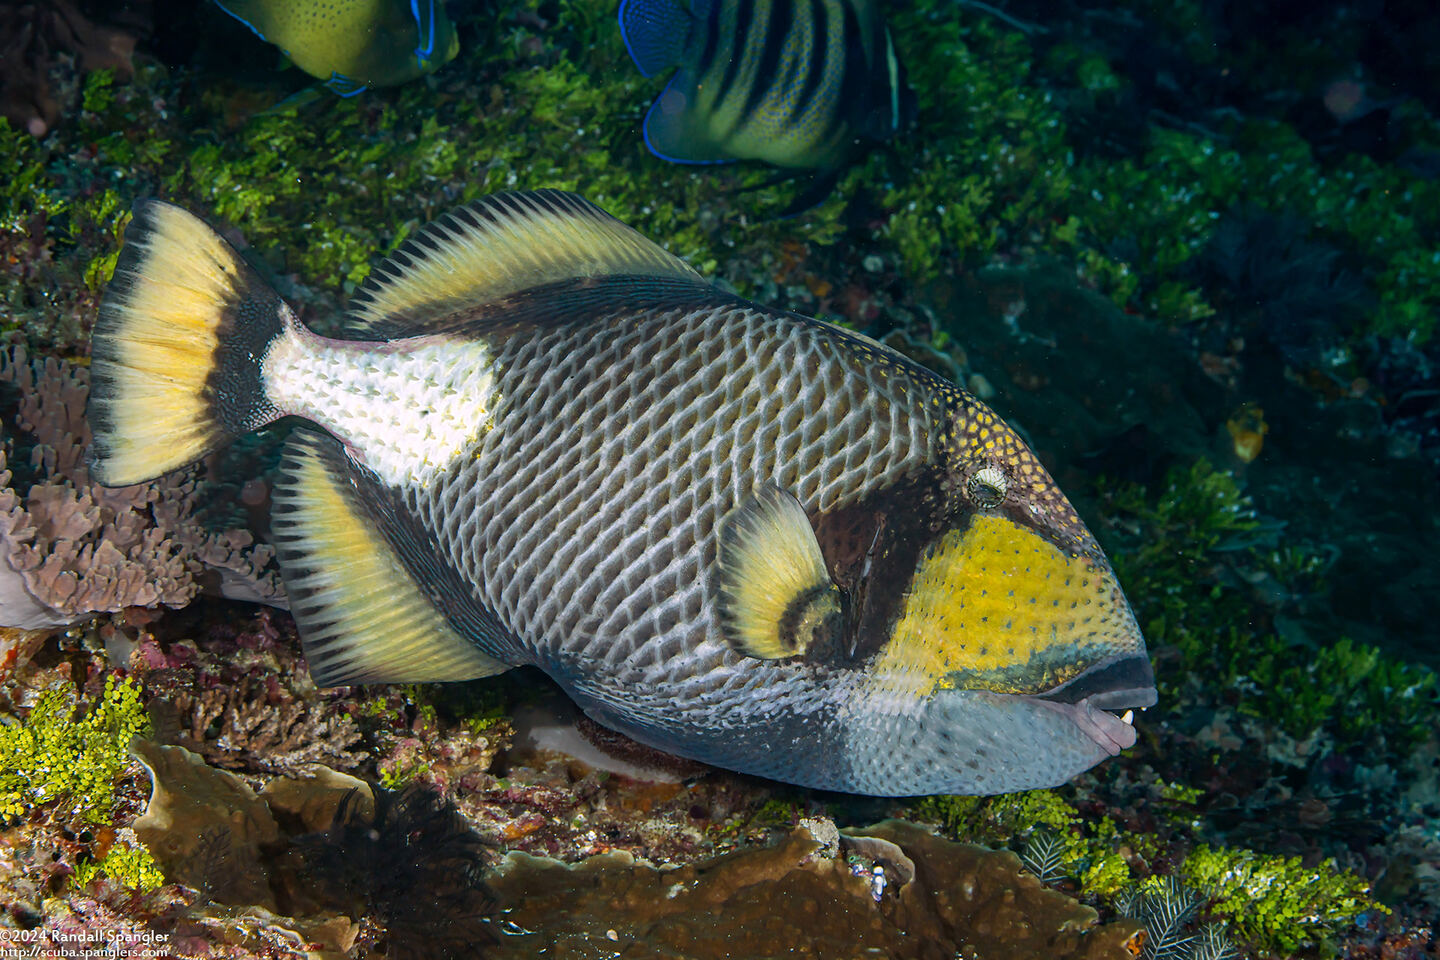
199 818
793 898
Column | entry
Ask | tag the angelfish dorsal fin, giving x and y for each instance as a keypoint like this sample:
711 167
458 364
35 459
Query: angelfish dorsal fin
776 596
362 616
497 246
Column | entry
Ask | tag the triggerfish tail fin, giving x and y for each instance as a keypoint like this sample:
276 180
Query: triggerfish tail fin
363 617
175 356
655 33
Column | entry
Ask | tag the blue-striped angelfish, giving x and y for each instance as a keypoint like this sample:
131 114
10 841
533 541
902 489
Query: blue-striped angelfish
353 44
731 532
800 84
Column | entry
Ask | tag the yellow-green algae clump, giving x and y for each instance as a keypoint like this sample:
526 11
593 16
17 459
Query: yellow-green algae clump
800 898
66 764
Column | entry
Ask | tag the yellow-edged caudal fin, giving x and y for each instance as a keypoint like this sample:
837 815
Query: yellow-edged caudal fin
498 246
776 596
362 616
174 356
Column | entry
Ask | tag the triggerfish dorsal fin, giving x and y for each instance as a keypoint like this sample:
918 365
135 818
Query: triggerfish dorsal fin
496 247
655 32
776 597
362 616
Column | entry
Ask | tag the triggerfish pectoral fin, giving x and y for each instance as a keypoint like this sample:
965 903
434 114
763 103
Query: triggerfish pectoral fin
363 617
655 32
776 596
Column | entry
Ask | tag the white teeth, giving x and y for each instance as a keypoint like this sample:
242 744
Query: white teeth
1129 717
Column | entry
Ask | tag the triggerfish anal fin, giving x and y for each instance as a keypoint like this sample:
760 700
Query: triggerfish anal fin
776 596
362 617
498 246
655 33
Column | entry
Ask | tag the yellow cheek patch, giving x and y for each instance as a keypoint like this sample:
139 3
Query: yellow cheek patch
997 607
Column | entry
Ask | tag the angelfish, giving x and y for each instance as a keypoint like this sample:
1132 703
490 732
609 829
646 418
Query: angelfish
804 85
351 45
730 532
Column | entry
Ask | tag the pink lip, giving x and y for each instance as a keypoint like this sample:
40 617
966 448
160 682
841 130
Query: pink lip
1106 729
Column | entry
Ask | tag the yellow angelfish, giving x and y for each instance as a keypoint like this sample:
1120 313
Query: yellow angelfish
353 44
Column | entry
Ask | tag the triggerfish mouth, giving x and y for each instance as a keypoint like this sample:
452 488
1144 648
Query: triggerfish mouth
730 532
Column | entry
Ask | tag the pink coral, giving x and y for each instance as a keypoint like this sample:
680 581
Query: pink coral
70 547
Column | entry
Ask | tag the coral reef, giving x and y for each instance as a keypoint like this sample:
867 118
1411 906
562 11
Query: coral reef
1120 227
70 547
205 826
242 726
36 36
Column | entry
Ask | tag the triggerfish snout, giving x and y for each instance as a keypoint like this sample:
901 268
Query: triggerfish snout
734 533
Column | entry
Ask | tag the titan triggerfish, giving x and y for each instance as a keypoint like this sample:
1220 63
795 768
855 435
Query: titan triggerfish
731 532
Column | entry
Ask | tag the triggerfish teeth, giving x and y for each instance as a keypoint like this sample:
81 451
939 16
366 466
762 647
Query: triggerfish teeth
730 532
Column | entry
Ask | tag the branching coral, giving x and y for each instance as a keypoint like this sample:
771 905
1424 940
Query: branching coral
70 547
240 727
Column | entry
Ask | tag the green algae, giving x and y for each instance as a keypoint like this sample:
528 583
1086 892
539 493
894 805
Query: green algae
1199 522
996 170
1274 904
1277 904
1085 849
129 865
67 764
991 170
